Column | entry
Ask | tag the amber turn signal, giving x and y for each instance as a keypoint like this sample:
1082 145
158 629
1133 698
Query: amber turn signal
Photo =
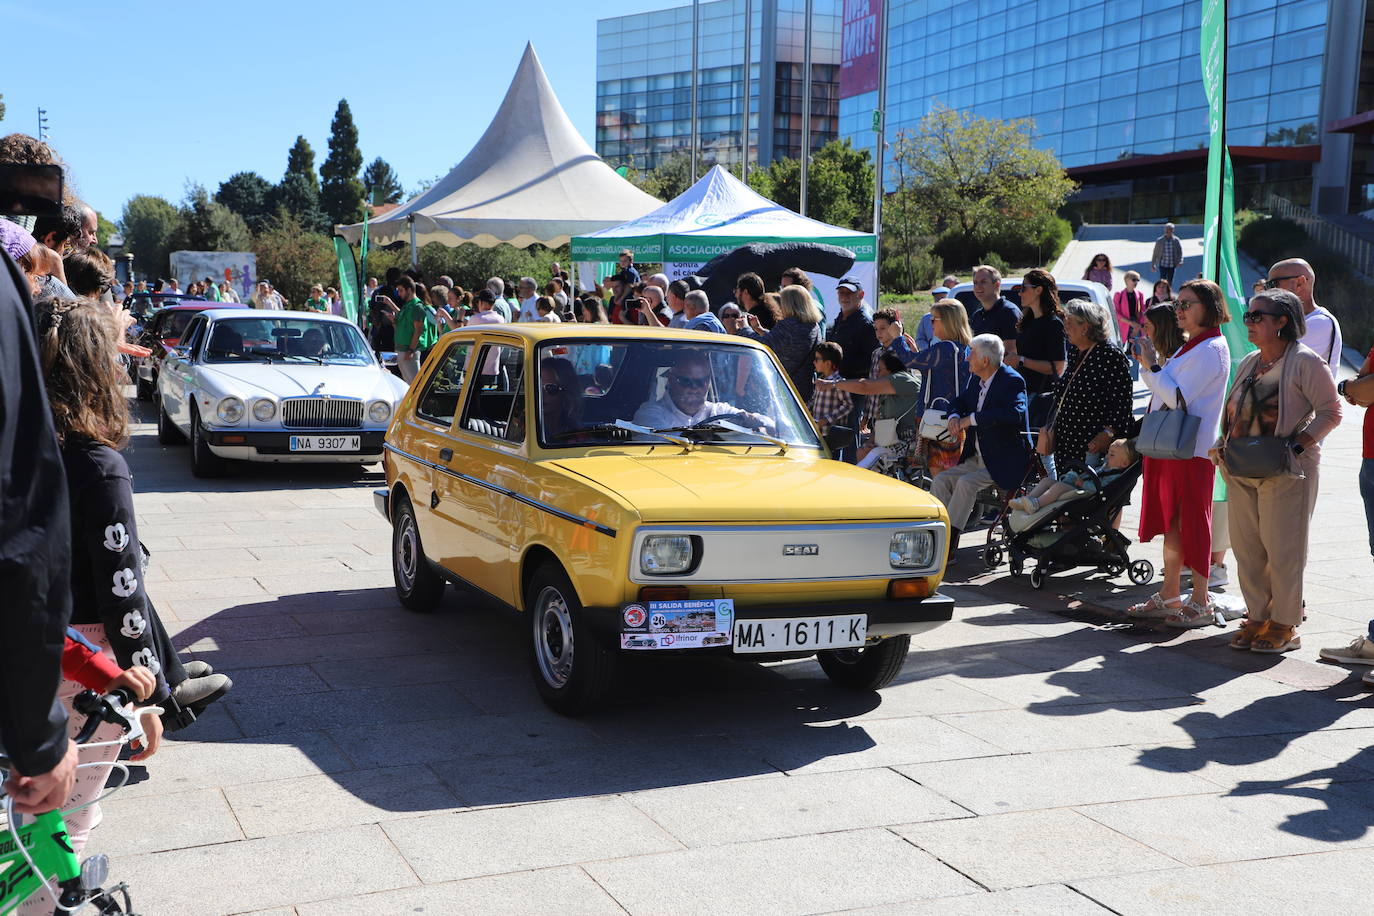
908 588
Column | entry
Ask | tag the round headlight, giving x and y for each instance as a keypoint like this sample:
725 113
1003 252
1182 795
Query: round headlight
379 412
230 410
264 410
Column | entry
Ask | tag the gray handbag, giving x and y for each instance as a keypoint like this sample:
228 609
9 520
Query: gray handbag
1169 433
1255 457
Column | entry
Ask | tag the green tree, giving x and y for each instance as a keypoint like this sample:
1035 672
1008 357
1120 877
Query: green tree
2 106
148 223
103 230
840 185
300 160
250 196
299 191
341 193
381 180
205 225
669 178
293 257
981 180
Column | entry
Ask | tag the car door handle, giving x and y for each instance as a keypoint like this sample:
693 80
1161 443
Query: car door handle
445 454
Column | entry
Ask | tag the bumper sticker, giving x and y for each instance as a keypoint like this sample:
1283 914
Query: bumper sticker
686 624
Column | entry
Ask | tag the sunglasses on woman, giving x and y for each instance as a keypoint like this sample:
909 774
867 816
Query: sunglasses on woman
1257 316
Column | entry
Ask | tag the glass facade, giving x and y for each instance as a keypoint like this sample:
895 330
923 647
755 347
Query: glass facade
644 82
1105 80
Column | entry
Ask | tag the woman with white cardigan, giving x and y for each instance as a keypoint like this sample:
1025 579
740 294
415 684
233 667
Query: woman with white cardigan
1176 499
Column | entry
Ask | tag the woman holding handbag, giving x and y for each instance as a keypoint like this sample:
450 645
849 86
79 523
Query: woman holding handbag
894 427
944 373
1176 499
1282 404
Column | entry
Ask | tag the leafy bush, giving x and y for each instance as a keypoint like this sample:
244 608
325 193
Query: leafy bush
293 259
993 259
1028 245
1273 239
921 270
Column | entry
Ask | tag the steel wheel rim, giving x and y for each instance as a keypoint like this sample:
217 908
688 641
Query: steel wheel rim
553 638
407 550
847 656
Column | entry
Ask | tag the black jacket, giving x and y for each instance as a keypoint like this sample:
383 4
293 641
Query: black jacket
107 559
34 542
855 335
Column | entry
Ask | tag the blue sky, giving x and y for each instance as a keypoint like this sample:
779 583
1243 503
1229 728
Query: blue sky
144 96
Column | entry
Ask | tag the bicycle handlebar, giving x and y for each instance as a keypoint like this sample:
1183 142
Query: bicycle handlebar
115 707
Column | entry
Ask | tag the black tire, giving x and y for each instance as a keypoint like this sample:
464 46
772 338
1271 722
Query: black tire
167 432
418 586
992 556
1016 567
574 669
1037 577
204 463
1141 571
870 668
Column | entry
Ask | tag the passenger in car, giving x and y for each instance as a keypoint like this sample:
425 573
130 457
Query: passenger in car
560 398
684 403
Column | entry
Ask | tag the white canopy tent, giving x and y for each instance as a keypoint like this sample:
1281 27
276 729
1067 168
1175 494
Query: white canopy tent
530 179
716 215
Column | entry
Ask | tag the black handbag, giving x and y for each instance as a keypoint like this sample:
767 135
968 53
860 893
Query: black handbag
1255 457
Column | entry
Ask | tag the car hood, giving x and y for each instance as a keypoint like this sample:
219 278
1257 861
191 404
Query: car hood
731 487
279 380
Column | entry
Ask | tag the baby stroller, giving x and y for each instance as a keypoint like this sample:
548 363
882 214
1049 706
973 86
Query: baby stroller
1077 532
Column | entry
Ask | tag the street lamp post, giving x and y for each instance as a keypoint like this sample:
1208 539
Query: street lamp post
806 106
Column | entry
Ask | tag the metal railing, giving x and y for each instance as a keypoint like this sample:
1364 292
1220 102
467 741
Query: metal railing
1357 250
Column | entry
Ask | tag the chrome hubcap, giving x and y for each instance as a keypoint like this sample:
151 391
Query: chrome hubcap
407 551
553 638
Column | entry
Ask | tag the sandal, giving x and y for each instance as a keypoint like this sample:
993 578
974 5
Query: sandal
1276 638
1192 615
1155 607
1247 633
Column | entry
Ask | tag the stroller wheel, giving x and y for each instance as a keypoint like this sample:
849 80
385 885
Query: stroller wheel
1016 567
1037 578
1142 571
1114 569
992 557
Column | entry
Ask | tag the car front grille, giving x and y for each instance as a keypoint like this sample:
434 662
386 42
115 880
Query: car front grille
321 413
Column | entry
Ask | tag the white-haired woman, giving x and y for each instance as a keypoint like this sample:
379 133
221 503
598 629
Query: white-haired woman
1094 404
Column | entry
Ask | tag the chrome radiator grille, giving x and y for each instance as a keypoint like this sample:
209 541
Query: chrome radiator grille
321 413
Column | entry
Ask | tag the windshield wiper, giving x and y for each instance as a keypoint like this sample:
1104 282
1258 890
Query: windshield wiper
318 359
618 426
238 354
713 425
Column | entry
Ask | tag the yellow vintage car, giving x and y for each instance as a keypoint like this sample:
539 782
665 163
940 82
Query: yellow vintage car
651 490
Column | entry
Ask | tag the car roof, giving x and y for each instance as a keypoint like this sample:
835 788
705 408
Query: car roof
271 314
197 307
1088 286
544 330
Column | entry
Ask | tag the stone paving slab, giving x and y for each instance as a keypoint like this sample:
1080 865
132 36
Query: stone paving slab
1045 900
563 890
468 844
259 874
1034 847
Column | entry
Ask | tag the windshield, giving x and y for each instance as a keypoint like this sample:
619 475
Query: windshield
593 392
295 340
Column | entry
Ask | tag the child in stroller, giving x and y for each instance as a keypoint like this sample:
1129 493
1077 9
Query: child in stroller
1071 524
1120 456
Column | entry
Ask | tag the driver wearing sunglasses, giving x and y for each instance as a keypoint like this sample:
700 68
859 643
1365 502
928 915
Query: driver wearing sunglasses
685 401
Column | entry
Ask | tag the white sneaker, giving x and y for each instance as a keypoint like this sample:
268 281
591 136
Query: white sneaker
1359 652
1219 576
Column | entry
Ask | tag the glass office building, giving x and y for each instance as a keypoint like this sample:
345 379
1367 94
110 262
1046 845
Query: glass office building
644 82
1114 87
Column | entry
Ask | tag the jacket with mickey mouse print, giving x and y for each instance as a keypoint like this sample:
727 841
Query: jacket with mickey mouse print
107 560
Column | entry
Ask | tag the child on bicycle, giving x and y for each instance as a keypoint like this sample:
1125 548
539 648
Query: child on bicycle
1120 456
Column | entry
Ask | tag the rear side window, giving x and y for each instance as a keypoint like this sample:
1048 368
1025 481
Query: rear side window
195 331
444 390
496 406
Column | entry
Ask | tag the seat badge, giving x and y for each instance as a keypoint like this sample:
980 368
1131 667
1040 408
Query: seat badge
801 550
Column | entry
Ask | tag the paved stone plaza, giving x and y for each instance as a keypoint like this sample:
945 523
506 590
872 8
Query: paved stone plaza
1036 756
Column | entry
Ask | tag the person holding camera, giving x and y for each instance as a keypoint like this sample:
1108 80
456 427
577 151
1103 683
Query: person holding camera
1282 404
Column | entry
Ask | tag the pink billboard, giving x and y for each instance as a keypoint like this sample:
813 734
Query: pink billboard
859 47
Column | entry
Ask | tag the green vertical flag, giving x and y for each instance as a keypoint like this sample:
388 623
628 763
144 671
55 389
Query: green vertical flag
348 278
362 274
1219 261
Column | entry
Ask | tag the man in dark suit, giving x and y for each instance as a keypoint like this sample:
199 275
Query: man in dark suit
992 413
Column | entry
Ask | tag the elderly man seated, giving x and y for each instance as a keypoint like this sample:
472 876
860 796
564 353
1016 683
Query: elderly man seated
685 404
992 409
